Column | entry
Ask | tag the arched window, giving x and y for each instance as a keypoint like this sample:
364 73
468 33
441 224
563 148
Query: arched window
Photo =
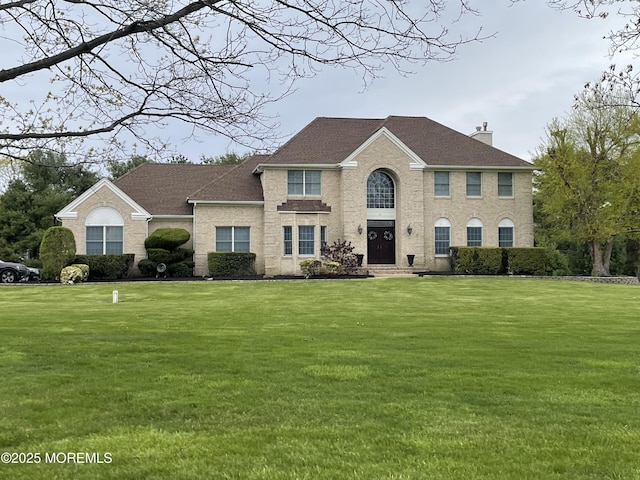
474 233
380 191
505 233
443 236
104 231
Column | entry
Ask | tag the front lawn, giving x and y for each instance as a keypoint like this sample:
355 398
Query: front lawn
413 378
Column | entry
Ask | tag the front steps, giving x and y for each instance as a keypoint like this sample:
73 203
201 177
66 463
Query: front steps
388 271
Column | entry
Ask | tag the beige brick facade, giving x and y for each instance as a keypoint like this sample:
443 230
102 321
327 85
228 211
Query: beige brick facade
339 211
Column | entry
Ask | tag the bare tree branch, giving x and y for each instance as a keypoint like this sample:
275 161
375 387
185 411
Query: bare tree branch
116 66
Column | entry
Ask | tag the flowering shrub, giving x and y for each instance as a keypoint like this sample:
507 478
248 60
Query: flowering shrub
71 275
341 252
332 268
310 267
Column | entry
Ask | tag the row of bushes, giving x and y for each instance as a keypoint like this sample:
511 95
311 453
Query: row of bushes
107 267
497 260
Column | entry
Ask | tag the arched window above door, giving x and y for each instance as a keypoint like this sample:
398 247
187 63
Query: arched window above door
380 190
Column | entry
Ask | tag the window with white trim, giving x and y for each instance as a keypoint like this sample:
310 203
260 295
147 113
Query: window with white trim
287 240
306 240
304 182
441 184
505 233
442 236
474 184
505 184
104 232
233 239
380 190
474 233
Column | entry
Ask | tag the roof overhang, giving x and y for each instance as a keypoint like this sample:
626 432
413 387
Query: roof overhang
495 168
261 167
416 163
227 202
70 211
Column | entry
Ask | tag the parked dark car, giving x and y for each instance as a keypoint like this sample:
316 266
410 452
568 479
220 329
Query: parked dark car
11 272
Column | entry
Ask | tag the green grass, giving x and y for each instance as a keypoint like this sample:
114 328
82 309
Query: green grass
416 378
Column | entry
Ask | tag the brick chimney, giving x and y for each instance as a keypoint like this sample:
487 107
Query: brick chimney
482 134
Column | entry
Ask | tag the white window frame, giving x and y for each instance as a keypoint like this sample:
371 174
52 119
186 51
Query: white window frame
442 223
302 238
305 185
504 185
507 223
105 218
475 223
468 184
436 184
234 241
287 240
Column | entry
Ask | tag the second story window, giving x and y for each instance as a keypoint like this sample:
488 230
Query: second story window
474 184
380 190
441 184
304 182
505 184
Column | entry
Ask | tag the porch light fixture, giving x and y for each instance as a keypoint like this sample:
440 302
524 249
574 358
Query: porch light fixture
359 229
409 229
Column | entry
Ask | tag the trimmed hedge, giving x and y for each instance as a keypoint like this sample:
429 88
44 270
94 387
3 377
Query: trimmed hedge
231 264
527 261
167 238
107 267
477 260
181 269
497 260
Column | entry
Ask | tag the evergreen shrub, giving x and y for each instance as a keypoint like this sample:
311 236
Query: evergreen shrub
231 264
477 260
107 267
527 261
57 250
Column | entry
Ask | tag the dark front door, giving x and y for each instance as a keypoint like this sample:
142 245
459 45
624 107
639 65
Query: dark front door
381 244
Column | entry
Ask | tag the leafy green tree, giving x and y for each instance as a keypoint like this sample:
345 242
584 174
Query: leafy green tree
57 250
588 186
27 207
230 158
116 169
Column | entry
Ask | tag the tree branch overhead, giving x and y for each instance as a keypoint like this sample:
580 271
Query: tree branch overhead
116 64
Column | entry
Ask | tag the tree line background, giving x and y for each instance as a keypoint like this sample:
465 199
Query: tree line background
118 67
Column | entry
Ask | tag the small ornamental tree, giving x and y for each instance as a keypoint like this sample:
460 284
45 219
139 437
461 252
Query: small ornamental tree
57 250
163 247
342 253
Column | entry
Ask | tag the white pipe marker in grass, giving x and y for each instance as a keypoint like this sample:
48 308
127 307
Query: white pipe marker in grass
115 296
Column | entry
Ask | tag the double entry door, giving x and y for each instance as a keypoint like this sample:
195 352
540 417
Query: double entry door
381 241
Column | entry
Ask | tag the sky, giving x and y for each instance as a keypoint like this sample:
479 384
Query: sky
517 82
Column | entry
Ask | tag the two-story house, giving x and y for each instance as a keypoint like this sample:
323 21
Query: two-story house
392 187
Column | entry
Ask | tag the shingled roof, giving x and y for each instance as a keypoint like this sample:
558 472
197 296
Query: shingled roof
237 185
168 189
162 189
332 140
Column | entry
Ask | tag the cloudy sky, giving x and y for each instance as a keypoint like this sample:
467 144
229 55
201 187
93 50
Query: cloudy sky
517 81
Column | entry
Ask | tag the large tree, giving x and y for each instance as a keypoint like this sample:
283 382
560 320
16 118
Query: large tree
46 183
588 186
115 66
